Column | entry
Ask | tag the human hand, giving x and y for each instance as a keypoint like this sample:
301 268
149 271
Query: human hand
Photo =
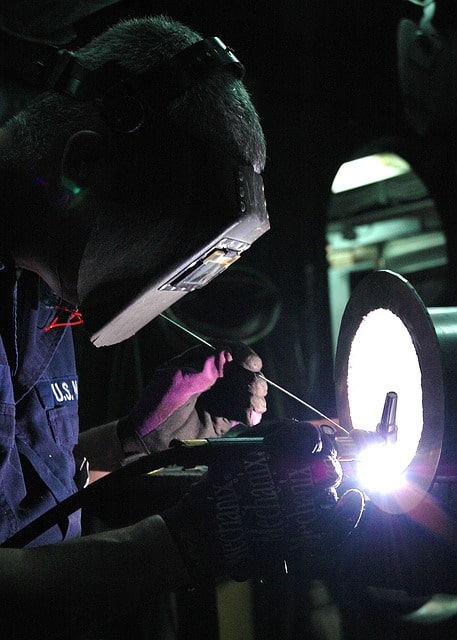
201 393
273 508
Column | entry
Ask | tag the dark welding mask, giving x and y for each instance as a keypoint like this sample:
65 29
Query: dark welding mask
122 286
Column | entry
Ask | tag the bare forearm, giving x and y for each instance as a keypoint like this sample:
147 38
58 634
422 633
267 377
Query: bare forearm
80 584
102 448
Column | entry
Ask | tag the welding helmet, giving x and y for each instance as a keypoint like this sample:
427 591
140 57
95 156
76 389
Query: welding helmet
123 285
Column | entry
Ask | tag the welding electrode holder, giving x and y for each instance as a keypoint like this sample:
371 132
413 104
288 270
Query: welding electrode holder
193 453
351 446
190 453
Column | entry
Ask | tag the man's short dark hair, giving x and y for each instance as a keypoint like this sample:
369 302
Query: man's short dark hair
217 111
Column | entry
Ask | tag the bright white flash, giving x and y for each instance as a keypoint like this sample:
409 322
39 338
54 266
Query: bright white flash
383 359
380 470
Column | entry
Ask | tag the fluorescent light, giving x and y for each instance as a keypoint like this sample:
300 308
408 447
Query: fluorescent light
368 170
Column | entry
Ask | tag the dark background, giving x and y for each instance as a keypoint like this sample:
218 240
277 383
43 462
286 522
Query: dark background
324 78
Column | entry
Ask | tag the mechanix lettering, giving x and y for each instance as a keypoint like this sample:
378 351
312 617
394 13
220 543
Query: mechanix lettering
302 477
257 467
229 528
267 530
302 490
265 509
234 546
303 518
266 492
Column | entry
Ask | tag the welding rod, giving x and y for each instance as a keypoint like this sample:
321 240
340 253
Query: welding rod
269 382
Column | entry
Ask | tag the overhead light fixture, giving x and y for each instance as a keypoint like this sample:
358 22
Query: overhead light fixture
368 170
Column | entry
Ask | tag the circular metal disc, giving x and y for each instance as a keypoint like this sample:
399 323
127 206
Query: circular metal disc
385 290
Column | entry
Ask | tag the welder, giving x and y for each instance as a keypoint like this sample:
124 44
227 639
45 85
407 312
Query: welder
131 176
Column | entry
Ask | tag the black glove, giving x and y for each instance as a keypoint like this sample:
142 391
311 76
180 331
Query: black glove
269 510
201 393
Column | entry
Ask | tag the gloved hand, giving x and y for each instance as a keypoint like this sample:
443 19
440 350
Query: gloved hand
269 509
201 393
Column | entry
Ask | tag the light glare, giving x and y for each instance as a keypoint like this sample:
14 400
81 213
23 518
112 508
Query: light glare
381 469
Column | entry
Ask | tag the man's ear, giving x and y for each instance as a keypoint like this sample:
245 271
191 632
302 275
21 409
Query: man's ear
85 161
